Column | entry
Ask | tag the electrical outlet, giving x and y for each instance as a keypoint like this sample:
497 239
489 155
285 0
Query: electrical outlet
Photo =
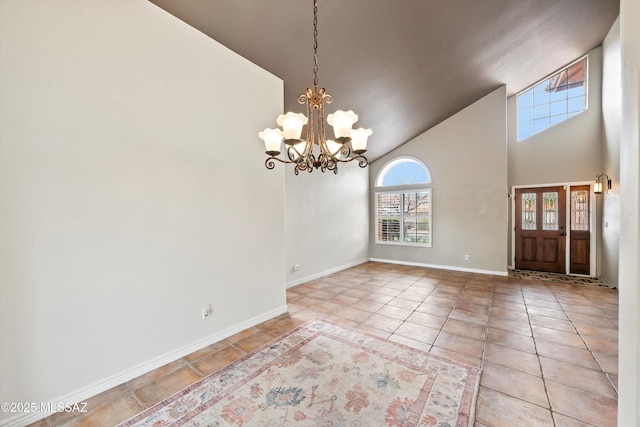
296 267
466 257
206 312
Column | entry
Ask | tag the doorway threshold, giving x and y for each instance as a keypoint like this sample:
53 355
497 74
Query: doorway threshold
558 277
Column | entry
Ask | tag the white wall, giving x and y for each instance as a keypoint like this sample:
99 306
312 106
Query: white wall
122 209
467 157
629 351
327 221
611 117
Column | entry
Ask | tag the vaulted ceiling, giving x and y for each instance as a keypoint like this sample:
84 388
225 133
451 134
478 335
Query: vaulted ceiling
403 65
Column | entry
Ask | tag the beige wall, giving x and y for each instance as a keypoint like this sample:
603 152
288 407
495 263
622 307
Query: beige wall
327 221
467 157
122 210
629 347
611 115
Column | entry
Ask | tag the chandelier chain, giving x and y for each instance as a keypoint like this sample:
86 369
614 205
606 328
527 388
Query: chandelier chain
315 45
348 146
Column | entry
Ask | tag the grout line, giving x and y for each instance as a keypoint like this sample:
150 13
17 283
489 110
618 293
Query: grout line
535 346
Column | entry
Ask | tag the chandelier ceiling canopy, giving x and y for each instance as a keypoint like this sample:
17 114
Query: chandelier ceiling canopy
347 145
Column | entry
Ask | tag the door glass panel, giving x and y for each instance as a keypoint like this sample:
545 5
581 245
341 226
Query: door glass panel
550 210
579 210
528 211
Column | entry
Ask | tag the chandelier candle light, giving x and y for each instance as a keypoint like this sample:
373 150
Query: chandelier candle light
348 144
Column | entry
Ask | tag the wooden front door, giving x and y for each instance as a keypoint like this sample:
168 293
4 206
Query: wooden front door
540 233
580 235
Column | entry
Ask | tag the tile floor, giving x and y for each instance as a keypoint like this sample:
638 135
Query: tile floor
548 351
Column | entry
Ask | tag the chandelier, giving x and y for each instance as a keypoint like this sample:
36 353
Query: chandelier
348 144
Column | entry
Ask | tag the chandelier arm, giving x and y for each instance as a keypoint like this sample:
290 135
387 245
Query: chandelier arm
269 163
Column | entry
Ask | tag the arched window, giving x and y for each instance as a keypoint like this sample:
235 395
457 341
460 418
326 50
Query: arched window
403 171
403 203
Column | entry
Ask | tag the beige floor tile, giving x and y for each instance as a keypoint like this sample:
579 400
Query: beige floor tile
509 305
509 339
547 312
458 357
417 332
499 410
92 403
602 345
465 329
405 303
561 337
577 356
111 414
586 329
163 387
503 313
156 373
381 322
439 301
608 363
520 328
218 360
254 341
210 349
353 313
564 421
512 358
395 312
590 408
602 321
426 319
473 308
366 305
550 322
376 297
576 376
593 311
459 344
468 316
520 385
410 342
435 309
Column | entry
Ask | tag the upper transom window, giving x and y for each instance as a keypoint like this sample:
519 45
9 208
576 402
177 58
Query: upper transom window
403 171
553 100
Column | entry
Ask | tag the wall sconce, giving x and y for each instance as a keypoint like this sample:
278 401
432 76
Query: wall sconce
597 187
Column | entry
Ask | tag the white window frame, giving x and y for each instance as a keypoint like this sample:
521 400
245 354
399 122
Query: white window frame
401 191
586 96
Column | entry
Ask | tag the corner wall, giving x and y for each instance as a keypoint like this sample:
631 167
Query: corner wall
611 117
629 347
327 220
122 209
467 157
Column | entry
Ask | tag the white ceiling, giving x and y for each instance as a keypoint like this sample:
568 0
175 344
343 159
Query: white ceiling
403 65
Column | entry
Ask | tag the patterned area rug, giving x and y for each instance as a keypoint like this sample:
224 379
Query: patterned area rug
559 278
324 374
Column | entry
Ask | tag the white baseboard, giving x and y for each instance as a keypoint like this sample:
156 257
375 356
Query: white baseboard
20 420
325 273
443 267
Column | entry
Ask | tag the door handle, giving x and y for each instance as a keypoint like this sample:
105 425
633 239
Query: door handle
563 234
